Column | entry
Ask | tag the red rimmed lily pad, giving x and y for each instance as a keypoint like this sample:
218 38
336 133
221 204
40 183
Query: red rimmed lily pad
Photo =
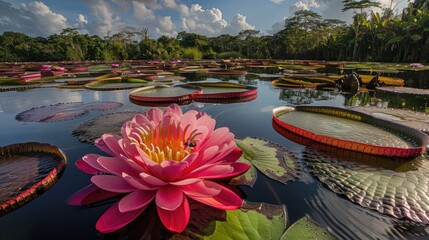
417 120
223 90
351 130
64 111
164 94
26 171
89 131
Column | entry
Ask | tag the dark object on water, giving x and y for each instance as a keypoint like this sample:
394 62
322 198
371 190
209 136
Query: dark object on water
374 83
349 83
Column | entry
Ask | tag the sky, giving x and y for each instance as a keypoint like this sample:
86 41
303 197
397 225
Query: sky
161 17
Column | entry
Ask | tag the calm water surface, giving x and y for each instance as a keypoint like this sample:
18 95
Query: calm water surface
49 217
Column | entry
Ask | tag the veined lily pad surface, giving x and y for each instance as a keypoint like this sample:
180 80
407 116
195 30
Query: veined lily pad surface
351 130
271 159
64 111
398 189
89 131
419 121
26 171
405 90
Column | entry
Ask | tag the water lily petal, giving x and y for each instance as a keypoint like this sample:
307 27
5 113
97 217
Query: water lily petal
101 144
135 200
86 168
137 183
152 180
172 170
224 171
177 220
113 219
186 181
154 114
219 137
202 189
169 197
113 143
234 155
90 194
116 165
174 108
91 160
225 200
112 183
141 120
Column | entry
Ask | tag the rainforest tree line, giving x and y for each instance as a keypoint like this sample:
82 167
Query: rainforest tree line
387 36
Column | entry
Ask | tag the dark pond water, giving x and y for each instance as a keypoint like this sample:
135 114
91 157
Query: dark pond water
49 216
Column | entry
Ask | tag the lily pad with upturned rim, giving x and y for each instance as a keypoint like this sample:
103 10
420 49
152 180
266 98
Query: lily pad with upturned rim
403 142
26 171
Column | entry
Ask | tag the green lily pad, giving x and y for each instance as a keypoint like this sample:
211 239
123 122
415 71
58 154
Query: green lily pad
90 130
252 221
305 228
271 159
399 191
248 178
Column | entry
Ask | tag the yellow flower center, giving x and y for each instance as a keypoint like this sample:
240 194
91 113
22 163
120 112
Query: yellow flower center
164 141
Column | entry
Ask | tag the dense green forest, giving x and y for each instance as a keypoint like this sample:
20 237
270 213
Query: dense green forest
385 37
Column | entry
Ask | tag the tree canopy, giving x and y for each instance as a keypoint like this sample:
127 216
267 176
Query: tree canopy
373 36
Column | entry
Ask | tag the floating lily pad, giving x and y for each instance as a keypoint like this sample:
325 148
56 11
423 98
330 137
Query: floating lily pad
404 90
271 159
222 90
305 228
252 221
226 72
293 83
417 120
64 111
400 192
5 88
351 130
89 131
26 171
163 94
120 84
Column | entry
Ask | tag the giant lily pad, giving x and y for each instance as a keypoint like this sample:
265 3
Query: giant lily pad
26 171
405 90
409 118
64 111
350 130
163 94
89 131
271 159
222 90
305 228
400 192
119 84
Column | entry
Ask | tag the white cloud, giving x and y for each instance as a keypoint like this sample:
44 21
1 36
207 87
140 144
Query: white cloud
82 24
208 22
105 21
34 18
144 13
277 1
277 27
238 24
181 8
304 5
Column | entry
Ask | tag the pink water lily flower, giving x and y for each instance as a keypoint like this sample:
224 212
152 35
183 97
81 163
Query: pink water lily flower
165 157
